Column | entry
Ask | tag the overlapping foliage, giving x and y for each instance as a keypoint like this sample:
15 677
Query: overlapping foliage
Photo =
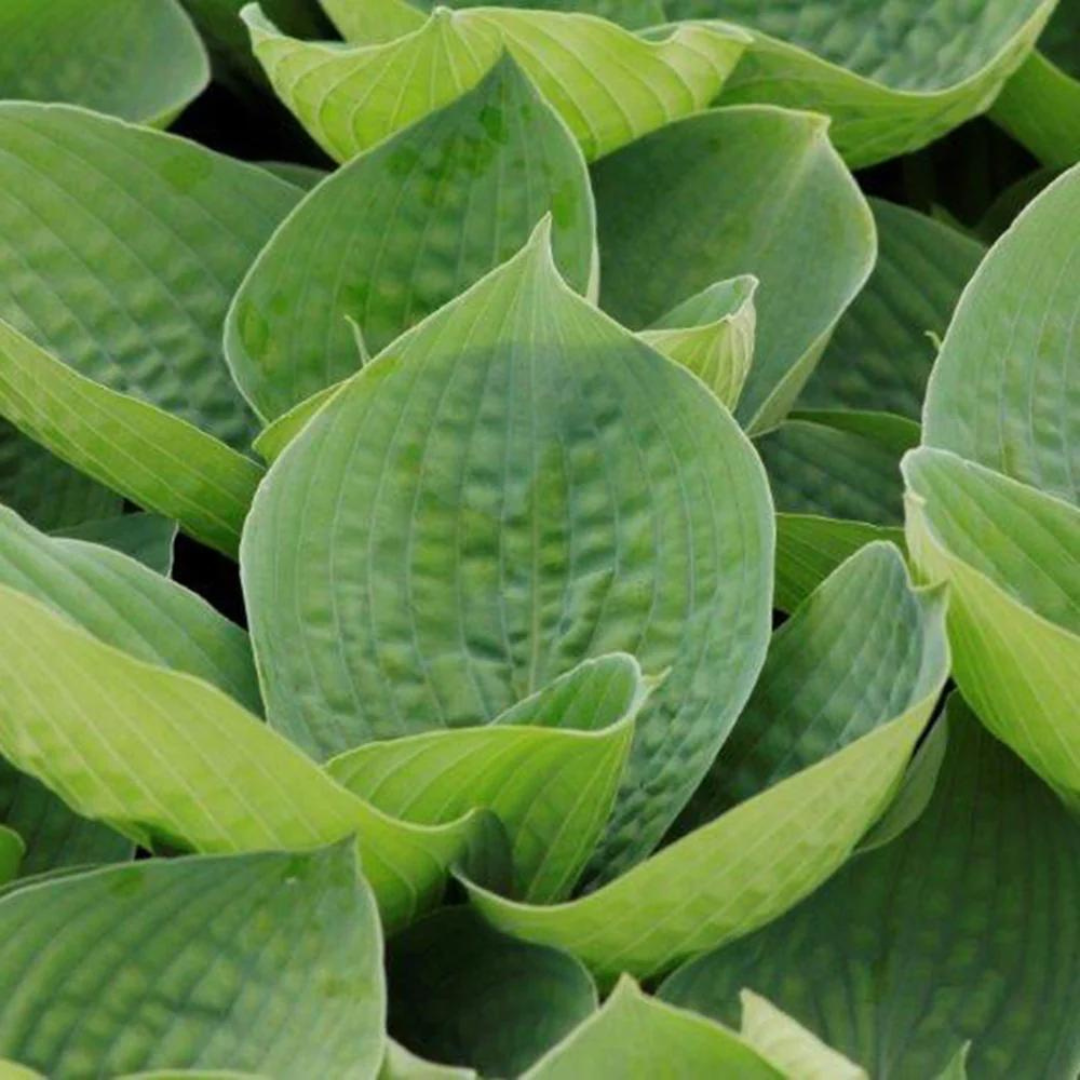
606 488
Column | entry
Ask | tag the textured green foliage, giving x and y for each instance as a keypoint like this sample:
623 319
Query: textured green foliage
893 79
897 968
736 191
137 59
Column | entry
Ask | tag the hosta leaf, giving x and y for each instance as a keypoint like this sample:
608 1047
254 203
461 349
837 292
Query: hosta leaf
810 548
881 354
46 490
892 81
168 759
1005 390
12 850
127 605
609 85
147 538
1010 556
139 59
1012 201
738 191
514 486
712 334
1040 104
461 993
402 230
119 369
304 177
964 929
726 878
840 668
263 962
564 780
839 464
788 1044
636 1035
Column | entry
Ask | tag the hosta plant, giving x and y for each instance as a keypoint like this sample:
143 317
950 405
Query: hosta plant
492 510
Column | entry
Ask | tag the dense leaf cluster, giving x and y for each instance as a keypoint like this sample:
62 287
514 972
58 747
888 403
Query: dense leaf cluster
624 619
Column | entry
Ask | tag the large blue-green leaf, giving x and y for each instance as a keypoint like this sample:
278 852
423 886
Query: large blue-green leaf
138 59
121 248
402 230
514 486
966 928
264 962
893 78
752 190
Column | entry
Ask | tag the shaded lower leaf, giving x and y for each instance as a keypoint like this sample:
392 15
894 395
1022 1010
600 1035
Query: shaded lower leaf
261 962
460 992
402 1064
636 1035
809 548
12 849
887 965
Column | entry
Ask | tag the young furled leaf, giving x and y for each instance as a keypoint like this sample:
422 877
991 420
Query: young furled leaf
919 947
892 81
120 371
752 190
514 486
402 230
269 962
609 85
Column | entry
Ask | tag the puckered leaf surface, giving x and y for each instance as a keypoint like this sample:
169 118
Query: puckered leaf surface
402 230
752 190
119 369
933 940
265 962
892 78
514 486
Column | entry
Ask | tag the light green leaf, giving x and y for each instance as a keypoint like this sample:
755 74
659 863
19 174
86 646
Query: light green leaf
402 230
751 190
810 548
459 992
138 59
1040 104
911 951
45 490
1003 392
837 670
10 1070
636 1035
609 85
839 464
564 780
12 850
129 606
892 81
118 369
712 334
402 1064
147 538
881 354
516 485
800 1053
260 962
1009 554
726 879
168 759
